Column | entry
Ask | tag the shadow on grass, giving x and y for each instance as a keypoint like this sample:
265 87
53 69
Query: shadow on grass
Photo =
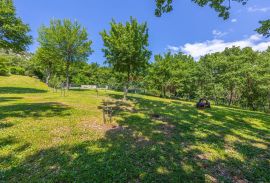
5 125
8 99
19 90
48 109
7 159
160 142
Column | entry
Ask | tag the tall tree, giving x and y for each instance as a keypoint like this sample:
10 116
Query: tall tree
13 32
68 39
125 48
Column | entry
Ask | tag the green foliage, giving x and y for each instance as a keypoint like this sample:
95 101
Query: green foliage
13 32
85 74
68 40
17 64
55 81
17 70
94 74
265 28
125 48
163 6
238 77
221 6
49 62
4 69
172 73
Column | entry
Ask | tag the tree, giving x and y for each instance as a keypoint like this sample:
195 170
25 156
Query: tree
48 60
265 78
125 48
172 74
159 74
255 74
68 39
221 6
13 32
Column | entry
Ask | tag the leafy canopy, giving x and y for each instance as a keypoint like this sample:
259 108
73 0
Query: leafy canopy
265 28
13 32
125 46
68 40
220 6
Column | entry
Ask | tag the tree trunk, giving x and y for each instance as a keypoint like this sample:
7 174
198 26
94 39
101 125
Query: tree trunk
126 86
164 92
125 91
67 75
48 77
231 95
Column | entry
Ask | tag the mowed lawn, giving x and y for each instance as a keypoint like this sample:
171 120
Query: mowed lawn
49 138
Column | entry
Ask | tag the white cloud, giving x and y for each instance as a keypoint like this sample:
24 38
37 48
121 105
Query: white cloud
234 20
173 49
199 49
218 34
256 9
255 37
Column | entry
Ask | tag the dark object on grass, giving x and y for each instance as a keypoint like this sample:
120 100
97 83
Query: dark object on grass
203 103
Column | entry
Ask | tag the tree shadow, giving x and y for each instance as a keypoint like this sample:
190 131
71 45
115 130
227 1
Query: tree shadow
8 99
20 90
37 110
7 159
5 125
159 141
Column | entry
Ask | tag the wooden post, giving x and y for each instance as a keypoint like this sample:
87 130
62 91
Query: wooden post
104 115
97 91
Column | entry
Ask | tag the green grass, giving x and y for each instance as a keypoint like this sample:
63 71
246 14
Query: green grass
48 138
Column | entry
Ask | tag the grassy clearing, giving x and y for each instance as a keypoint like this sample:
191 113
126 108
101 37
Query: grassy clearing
46 137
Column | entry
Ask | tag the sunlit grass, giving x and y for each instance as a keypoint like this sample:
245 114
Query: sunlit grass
47 137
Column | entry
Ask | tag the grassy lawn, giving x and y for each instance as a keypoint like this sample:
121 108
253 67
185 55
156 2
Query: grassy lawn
48 138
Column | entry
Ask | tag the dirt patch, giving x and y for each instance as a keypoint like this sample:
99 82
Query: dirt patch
96 126
118 105
219 170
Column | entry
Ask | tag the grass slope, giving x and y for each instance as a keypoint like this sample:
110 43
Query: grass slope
48 138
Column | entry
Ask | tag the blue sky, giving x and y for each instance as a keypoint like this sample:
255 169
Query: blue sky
189 28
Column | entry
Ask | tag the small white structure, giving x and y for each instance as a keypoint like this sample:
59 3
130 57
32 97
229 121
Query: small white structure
88 87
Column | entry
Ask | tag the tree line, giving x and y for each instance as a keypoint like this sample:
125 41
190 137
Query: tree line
239 77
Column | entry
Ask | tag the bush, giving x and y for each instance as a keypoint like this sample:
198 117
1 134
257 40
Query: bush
17 70
4 70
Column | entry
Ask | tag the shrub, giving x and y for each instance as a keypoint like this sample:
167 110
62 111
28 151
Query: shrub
4 70
17 70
